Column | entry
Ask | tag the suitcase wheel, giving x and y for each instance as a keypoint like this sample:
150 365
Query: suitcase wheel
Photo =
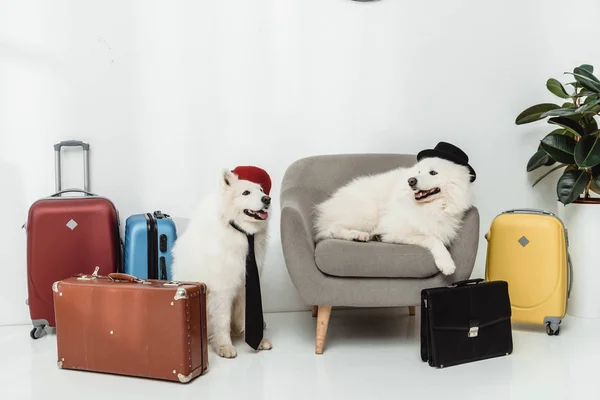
552 330
37 332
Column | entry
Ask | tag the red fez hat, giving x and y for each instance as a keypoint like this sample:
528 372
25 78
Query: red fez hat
254 174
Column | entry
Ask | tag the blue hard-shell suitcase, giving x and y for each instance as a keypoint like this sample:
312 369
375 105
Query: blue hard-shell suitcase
149 239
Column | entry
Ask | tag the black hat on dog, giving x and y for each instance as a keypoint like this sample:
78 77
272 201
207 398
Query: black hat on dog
450 152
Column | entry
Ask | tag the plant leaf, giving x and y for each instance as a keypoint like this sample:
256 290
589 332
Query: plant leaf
587 79
547 173
539 159
560 147
587 152
561 112
588 106
534 113
568 105
585 94
589 125
560 131
550 161
568 124
586 71
557 88
571 184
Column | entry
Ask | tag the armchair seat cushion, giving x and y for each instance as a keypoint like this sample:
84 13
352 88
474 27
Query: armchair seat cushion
345 258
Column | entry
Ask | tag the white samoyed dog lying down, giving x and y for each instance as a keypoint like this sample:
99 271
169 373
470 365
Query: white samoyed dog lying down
212 251
423 205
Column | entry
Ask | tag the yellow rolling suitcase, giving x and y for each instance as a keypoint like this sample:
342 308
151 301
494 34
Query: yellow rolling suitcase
528 249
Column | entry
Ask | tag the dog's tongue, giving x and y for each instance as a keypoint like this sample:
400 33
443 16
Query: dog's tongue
262 214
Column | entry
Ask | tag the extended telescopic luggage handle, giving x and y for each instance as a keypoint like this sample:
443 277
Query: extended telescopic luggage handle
57 166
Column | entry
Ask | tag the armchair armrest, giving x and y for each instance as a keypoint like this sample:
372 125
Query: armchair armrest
464 249
298 242
298 202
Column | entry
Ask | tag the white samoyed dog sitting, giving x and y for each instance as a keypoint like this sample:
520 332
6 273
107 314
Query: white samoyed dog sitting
213 252
423 205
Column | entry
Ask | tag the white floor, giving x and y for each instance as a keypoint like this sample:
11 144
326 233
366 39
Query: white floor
369 354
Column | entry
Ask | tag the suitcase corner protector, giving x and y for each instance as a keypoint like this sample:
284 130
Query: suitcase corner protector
181 294
59 363
185 378
55 286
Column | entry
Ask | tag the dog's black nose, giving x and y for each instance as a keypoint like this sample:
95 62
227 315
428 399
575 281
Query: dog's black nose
412 182
266 199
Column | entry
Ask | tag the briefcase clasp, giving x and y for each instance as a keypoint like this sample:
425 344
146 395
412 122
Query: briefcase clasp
473 331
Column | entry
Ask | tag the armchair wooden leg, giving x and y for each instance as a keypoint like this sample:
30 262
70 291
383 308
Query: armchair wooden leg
323 314
315 310
411 310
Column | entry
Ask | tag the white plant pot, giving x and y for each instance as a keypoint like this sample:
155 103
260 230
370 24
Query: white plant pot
581 221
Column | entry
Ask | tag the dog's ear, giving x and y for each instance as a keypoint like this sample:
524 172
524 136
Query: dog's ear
228 177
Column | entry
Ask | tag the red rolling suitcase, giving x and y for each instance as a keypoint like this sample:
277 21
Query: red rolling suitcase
67 235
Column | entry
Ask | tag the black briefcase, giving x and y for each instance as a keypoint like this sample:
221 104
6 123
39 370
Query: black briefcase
465 322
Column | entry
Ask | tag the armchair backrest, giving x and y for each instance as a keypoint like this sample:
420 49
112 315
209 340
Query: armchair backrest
323 174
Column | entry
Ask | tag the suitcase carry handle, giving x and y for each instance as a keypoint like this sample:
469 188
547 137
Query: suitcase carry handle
160 215
57 163
120 277
467 282
72 190
529 211
570 275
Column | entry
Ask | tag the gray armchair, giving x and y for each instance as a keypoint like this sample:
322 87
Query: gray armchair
353 274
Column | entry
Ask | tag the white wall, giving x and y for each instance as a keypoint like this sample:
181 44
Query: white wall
169 93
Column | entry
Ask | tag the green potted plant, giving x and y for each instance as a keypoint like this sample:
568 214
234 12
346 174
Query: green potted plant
573 145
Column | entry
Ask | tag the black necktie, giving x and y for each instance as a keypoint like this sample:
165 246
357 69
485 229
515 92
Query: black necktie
254 313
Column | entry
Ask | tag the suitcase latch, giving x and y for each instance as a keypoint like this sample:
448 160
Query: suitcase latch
86 278
473 329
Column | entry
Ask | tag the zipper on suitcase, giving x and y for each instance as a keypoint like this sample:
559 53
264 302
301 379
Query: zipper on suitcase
151 226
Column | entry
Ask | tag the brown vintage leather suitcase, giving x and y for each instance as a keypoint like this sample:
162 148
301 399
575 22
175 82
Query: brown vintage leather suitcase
124 325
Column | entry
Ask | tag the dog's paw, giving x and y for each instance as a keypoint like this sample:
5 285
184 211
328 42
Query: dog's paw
359 236
446 267
265 344
387 238
227 351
